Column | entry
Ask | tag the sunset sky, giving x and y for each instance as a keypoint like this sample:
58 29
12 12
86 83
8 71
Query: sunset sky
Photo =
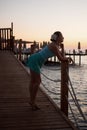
38 19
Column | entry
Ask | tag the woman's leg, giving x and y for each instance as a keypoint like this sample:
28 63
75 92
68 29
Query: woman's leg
34 85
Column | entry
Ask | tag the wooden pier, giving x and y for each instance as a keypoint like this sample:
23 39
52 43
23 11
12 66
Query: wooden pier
15 111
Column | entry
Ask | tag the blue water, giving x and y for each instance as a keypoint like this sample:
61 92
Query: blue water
78 77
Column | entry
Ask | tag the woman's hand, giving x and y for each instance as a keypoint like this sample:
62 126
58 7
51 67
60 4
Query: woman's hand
61 45
70 60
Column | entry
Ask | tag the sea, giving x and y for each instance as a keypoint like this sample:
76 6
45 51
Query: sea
51 83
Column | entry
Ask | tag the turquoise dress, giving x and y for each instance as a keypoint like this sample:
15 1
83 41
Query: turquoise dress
36 60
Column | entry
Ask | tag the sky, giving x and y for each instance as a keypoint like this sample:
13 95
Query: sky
37 20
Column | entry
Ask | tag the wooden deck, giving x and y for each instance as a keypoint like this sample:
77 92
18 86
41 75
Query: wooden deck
15 111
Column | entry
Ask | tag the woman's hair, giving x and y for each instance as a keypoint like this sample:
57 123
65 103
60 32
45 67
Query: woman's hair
55 35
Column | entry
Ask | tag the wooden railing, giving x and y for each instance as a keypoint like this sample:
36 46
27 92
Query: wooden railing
6 38
20 50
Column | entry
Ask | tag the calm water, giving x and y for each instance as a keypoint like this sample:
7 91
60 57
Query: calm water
78 77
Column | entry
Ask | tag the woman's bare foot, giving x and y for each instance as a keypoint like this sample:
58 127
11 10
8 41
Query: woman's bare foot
34 107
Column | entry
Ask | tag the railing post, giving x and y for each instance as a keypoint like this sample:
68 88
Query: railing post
12 43
64 87
79 59
74 55
20 47
32 48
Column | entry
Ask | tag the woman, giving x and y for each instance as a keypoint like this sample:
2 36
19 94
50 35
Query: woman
36 60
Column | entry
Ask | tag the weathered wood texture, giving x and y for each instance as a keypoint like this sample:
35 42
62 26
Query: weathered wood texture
15 111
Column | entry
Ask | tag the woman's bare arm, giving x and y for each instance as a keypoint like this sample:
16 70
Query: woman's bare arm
57 52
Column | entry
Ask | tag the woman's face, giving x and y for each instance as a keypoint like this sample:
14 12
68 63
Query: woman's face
60 38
